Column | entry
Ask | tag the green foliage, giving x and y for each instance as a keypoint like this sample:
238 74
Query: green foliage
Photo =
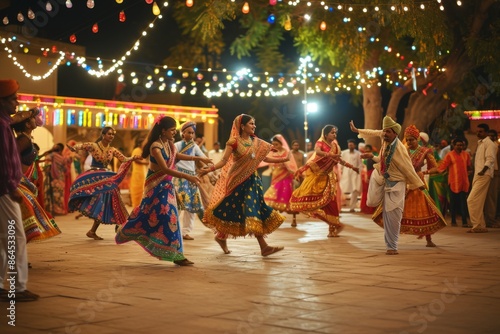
195 49
354 41
255 34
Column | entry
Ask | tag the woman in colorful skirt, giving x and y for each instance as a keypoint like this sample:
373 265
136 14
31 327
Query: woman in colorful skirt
154 225
316 196
237 207
279 193
95 193
421 216
38 224
56 169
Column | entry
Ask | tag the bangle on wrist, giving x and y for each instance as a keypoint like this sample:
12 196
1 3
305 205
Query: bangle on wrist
212 168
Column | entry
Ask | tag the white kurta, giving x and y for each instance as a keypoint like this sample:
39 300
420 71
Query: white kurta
350 180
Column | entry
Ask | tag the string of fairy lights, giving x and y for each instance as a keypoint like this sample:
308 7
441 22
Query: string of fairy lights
216 83
330 6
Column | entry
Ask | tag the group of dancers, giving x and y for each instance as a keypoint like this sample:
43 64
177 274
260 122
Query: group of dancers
236 206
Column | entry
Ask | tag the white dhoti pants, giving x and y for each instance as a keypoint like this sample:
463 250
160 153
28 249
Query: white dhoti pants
187 221
13 253
375 189
394 203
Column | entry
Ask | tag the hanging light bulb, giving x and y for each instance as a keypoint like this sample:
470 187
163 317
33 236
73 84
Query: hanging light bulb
246 8
156 9
5 20
48 6
69 4
288 23
271 19
273 2
149 2
20 17
31 14
322 26
121 16
95 28
189 3
90 4
119 1
72 39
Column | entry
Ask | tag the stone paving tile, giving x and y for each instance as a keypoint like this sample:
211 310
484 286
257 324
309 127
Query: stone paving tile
316 285
298 324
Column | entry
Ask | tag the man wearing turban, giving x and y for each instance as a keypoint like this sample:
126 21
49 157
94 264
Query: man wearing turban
10 210
188 193
421 217
393 170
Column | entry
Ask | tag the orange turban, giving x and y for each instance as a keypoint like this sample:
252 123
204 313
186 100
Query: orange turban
8 88
412 131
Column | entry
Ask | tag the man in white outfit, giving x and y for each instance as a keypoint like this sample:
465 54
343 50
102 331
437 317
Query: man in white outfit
13 253
393 171
216 155
350 182
189 198
484 166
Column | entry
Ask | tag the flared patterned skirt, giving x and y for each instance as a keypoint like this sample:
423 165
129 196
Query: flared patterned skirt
244 212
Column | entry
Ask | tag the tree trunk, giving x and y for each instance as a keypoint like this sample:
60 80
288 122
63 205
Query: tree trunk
430 100
372 106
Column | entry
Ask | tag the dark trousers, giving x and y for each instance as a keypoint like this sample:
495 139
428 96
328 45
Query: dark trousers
458 204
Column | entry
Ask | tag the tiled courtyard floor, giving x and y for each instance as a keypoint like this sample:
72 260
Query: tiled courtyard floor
316 285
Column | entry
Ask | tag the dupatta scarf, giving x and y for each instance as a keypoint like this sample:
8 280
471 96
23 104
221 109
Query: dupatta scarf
242 163
324 164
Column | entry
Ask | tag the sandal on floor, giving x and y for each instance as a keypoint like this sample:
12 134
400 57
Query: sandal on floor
391 252
477 230
24 296
271 250
94 236
183 263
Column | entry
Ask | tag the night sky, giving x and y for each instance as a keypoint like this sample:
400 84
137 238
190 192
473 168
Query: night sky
115 37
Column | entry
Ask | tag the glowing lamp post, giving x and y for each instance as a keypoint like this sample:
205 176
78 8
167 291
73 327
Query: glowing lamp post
308 107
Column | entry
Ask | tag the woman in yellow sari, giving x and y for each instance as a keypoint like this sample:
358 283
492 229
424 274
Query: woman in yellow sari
138 175
237 207
316 196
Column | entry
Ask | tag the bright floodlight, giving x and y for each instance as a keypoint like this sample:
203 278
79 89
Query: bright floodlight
312 107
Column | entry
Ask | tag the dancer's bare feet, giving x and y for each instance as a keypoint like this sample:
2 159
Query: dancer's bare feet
223 244
268 250
94 236
335 231
430 244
